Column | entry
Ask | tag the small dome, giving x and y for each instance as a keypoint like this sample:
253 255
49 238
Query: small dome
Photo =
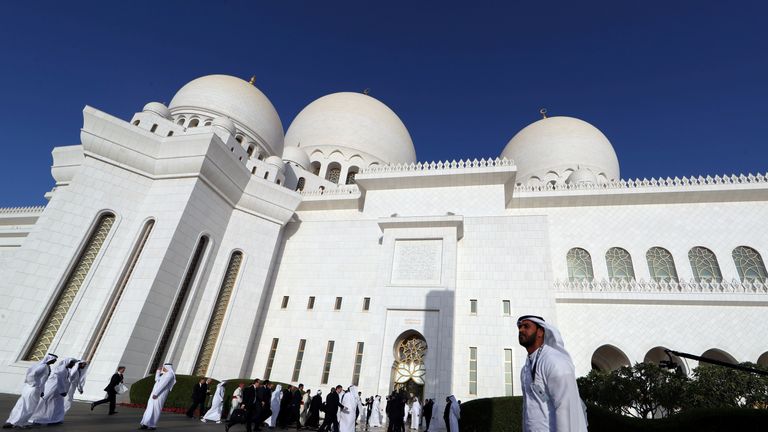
554 146
224 95
296 155
225 124
581 176
158 108
275 161
352 123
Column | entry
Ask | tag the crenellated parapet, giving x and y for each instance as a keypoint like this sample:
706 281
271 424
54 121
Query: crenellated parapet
676 182
7 211
438 166
661 287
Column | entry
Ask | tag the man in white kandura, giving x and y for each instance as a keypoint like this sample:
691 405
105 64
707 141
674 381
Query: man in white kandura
415 413
376 412
76 382
455 414
165 379
30 394
217 406
551 399
347 414
274 405
50 410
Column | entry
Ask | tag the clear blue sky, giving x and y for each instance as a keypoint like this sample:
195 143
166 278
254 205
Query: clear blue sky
679 87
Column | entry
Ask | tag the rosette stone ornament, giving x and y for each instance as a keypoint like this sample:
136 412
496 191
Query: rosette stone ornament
409 365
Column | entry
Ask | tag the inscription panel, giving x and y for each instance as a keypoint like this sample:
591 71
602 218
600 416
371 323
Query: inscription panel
417 262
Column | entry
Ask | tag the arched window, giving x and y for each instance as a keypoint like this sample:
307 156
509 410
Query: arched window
180 121
239 138
351 175
207 123
300 184
170 133
250 150
333 173
195 265
619 265
749 264
52 321
579 265
194 123
266 175
217 317
154 128
661 265
136 122
704 265
315 168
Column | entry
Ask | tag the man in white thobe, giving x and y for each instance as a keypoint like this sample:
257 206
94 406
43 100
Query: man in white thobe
165 379
217 406
551 399
237 396
76 382
415 414
347 414
274 405
455 414
50 410
30 395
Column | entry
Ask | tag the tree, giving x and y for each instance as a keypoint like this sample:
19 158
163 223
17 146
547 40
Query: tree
720 387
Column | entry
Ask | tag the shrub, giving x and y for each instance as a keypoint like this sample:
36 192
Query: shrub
492 414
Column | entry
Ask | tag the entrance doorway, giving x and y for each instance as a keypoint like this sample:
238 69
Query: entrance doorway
409 370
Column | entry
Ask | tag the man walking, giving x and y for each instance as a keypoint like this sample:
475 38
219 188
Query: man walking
332 405
111 389
551 401
30 395
165 379
199 394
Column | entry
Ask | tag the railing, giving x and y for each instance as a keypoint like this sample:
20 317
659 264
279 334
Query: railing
653 182
663 287
439 165
19 210
341 190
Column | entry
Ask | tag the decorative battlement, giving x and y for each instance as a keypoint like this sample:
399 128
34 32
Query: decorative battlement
21 210
672 287
652 183
437 166
341 190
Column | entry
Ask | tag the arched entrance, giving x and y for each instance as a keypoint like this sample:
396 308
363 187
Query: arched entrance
408 369
608 358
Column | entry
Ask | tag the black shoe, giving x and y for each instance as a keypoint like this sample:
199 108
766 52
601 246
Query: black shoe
92 405
113 413
142 427
8 426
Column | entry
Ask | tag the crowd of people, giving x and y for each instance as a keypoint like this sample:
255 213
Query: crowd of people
551 399
49 387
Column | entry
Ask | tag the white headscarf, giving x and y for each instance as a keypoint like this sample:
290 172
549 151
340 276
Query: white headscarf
455 408
277 393
353 391
170 375
48 357
552 337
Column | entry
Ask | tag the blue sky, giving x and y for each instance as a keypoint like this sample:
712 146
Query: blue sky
680 88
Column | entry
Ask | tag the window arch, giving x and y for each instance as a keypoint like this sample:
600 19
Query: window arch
300 184
704 265
749 264
180 122
619 263
333 173
194 123
579 265
315 168
136 122
661 265
351 175
64 299
154 128
239 138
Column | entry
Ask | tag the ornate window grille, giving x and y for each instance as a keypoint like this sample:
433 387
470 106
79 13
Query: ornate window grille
358 364
410 361
579 265
299 360
334 174
300 184
327 363
74 281
271 358
472 370
704 265
749 264
619 263
661 265
219 311
508 391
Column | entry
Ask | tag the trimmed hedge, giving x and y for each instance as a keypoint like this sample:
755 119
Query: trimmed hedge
504 414
181 395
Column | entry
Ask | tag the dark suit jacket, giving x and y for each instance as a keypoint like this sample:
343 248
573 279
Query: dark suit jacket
114 381
199 392
332 405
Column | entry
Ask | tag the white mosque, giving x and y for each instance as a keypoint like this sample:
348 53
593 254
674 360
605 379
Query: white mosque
201 234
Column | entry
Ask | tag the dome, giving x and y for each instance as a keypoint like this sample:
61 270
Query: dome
297 156
225 124
352 123
158 108
276 162
224 95
553 147
581 176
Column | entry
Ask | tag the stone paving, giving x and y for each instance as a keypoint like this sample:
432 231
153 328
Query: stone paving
81 419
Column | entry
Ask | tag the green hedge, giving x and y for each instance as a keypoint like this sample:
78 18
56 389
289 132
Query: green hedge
504 414
181 395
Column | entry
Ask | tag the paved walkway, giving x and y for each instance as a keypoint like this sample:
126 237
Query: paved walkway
81 419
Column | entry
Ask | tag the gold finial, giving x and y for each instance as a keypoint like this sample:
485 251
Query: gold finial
366 91
253 80
543 113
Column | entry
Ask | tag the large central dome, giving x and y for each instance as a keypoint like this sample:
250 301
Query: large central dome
352 123
228 96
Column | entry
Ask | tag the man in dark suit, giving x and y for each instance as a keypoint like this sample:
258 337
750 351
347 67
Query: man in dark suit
252 405
264 398
199 393
332 405
297 396
116 379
